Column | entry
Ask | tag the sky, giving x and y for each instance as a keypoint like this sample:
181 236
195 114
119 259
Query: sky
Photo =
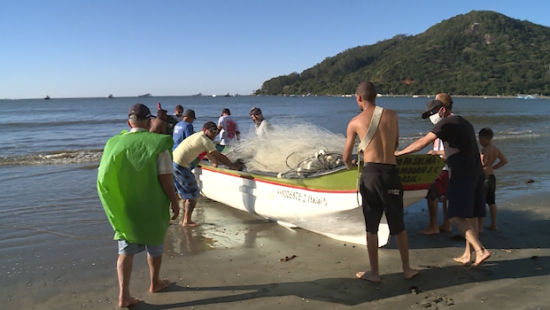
77 48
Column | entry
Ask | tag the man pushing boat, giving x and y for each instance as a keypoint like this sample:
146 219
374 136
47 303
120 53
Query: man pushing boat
184 157
380 185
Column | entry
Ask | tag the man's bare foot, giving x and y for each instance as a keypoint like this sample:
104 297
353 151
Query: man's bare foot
429 231
368 276
464 259
493 228
125 302
159 286
481 256
446 228
190 224
410 273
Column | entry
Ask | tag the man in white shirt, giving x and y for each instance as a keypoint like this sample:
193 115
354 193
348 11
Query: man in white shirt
263 127
229 129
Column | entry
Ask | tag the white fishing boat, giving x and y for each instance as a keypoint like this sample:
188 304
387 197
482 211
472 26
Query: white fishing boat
327 203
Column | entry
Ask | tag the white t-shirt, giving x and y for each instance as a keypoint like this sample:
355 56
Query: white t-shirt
438 146
263 128
228 134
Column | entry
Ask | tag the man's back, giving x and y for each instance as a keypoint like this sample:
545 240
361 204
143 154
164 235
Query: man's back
229 129
182 130
489 154
461 148
384 142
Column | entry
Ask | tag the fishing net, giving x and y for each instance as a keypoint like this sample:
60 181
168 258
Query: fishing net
291 150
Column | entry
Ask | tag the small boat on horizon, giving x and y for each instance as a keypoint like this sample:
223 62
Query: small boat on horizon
227 95
147 95
47 98
110 96
519 96
197 95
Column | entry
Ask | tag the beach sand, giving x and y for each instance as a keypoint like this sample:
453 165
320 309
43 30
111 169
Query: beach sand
233 261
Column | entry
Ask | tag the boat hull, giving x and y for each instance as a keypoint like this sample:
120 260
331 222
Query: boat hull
333 210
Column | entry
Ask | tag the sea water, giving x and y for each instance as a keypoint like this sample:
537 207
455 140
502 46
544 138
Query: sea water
50 151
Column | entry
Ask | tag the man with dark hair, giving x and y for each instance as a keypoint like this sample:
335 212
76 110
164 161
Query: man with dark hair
466 188
184 129
228 127
367 91
163 123
263 127
380 185
136 204
178 113
184 156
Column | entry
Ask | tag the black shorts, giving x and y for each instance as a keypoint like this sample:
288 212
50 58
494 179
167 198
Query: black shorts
490 188
466 196
381 191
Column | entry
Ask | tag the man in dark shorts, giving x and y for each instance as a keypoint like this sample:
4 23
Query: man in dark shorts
380 185
466 188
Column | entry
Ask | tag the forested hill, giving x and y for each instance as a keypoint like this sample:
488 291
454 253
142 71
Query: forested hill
479 53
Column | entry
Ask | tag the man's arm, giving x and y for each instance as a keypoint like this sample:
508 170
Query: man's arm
166 179
418 144
350 143
224 160
167 183
397 131
501 160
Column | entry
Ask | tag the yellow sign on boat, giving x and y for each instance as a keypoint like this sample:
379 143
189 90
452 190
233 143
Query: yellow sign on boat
419 169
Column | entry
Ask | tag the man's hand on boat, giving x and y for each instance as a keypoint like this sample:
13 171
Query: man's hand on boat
219 157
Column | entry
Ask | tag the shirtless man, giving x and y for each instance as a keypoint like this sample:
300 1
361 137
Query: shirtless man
489 155
380 185
466 189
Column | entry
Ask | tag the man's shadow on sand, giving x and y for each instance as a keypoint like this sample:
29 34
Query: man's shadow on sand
351 291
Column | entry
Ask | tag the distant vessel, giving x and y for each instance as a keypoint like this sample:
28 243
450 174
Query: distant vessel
197 95
214 95
110 96
526 97
47 98
415 96
145 95
227 95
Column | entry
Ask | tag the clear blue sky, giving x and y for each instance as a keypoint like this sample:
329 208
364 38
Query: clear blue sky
94 48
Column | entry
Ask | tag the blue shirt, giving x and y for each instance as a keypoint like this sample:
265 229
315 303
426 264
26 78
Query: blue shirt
182 130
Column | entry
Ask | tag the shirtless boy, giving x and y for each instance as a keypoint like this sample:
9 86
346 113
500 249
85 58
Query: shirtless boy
380 185
489 155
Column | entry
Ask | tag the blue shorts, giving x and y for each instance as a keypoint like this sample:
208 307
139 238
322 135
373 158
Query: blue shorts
466 196
185 182
127 248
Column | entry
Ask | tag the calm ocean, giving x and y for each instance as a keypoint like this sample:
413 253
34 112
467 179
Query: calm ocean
50 151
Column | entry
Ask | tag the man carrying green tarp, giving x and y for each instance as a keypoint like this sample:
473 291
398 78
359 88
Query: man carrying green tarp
135 185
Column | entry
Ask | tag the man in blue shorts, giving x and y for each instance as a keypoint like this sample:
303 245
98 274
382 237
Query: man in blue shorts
184 156
466 188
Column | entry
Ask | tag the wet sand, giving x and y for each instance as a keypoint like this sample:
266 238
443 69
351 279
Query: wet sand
233 261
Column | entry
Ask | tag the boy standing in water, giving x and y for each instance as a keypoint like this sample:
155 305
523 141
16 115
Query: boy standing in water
489 154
